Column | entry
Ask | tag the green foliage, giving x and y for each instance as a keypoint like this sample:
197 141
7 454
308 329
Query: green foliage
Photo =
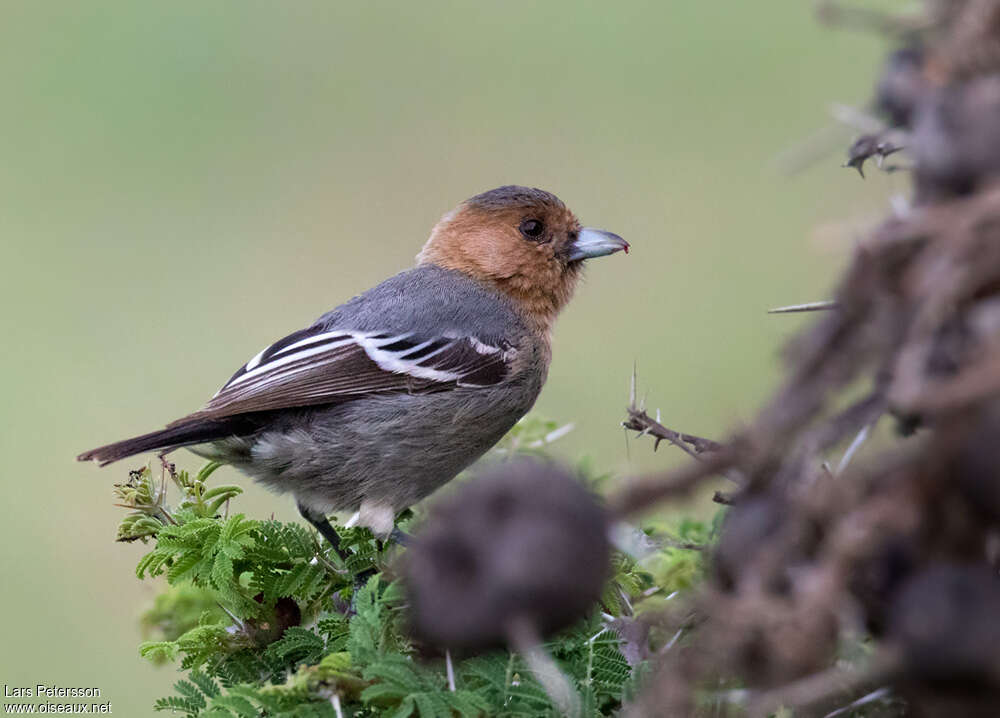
680 564
146 495
268 621
532 434
179 609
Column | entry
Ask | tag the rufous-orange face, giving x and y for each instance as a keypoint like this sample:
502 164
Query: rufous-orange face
524 241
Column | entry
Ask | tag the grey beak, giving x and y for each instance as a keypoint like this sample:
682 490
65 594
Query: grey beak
595 243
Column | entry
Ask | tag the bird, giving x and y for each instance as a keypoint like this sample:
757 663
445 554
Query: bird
390 395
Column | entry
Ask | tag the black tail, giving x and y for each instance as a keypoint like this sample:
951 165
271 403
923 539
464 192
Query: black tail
184 433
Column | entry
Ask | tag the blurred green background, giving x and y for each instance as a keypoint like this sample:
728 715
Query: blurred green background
182 183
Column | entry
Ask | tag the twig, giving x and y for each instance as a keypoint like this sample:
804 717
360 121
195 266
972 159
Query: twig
643 493
825 686
166 515
875 695
694 446
639 420
330 567
167 466
858 17
684 545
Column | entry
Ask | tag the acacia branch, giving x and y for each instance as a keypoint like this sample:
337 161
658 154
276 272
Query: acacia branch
695 446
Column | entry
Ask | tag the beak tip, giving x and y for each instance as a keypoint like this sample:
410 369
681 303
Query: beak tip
592 243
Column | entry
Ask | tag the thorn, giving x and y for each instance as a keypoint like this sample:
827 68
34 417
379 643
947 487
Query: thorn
559 433
856 118
807 307
552 436
853 448
631 393
450 670
857 166
672 642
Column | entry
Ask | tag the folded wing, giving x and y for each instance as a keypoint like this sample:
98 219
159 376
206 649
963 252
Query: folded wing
323 366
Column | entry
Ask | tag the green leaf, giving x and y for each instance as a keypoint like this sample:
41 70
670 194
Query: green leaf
297 645
207 686
159 651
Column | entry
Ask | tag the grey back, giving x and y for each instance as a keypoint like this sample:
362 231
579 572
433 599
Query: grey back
429 301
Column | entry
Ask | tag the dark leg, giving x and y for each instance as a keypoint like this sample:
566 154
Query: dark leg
401 537
322 525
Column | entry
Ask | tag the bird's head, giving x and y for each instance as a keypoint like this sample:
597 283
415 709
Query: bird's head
524 241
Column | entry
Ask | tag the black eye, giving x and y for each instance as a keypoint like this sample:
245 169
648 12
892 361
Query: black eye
532 228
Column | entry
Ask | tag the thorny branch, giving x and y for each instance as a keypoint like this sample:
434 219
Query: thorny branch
639 420
834 539
824 687
641 494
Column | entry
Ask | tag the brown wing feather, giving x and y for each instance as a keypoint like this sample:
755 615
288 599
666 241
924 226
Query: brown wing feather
346 372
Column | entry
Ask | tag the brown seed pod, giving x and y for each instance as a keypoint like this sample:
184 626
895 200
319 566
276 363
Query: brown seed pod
526 542
947 621
901 86
956 138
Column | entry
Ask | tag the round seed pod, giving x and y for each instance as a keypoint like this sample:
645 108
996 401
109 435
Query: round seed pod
901 86
975 469
947 622
525 542
745 532
956 138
